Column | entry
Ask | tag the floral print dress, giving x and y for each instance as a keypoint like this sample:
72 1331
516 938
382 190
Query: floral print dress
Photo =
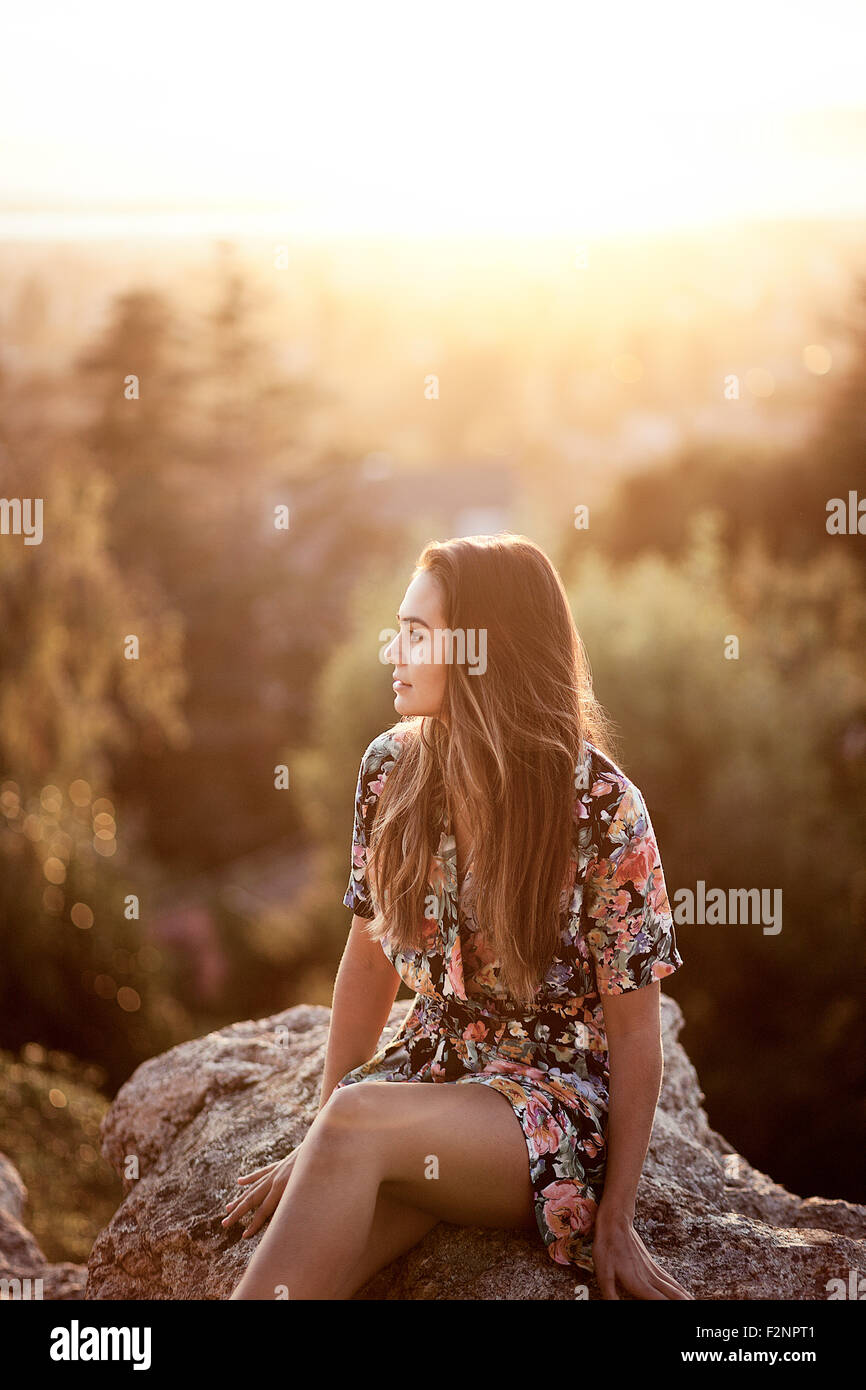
617 934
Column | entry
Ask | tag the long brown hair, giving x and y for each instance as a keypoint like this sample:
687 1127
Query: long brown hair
506 750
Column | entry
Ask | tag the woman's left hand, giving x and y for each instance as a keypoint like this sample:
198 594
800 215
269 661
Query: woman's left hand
618 1253
267 1186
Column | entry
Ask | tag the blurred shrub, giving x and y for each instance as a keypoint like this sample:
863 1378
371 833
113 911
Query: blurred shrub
76 972
50 1111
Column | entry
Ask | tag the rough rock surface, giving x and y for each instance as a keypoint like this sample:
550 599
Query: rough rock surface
196 1117
21 1258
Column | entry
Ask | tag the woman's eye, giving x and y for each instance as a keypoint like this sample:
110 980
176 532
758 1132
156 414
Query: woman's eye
416 633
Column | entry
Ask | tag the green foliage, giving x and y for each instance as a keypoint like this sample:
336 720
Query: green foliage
77 972
52 1108
69 695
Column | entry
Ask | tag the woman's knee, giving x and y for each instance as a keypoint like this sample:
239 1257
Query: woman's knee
351 1117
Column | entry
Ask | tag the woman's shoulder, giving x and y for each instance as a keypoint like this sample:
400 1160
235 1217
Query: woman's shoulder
383 751
597 766
603 781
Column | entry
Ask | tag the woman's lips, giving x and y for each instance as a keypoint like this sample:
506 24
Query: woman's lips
400 685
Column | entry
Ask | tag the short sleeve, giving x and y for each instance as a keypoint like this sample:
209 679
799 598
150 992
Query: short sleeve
629 927
376 763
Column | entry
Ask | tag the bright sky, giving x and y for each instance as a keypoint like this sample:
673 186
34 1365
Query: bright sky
461 117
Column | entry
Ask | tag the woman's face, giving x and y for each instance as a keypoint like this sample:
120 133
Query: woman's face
417 658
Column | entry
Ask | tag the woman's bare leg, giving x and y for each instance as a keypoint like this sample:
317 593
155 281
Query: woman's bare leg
454 1153
396 1228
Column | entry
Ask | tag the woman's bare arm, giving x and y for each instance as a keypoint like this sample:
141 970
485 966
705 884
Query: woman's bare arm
364 992
633 1026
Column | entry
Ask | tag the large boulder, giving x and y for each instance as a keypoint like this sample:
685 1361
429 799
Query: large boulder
25 1273
189 1122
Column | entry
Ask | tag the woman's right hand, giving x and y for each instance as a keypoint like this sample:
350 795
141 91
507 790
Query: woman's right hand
266 1187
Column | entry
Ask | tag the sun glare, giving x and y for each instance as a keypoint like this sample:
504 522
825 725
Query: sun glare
478 120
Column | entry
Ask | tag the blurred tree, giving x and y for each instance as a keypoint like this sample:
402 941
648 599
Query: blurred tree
28 317
135 379
777 495
76 973
202 459
844 426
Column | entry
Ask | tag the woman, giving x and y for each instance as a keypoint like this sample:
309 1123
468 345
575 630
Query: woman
513 881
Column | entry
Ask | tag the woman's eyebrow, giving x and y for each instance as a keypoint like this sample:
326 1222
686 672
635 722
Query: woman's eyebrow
412 620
